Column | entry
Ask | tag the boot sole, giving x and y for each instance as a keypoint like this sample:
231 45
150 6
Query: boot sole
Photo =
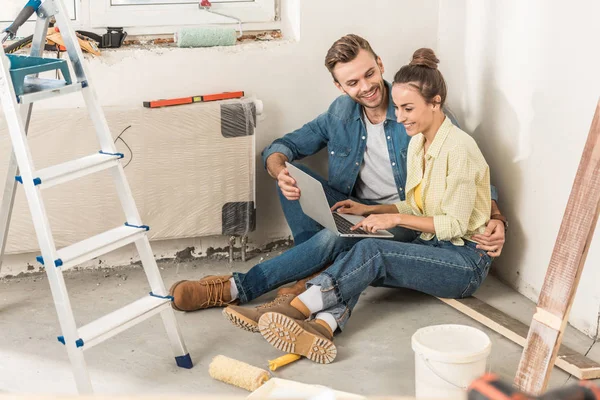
241 321
285 334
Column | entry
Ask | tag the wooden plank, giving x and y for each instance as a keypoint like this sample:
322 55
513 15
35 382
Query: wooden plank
564 271
568 359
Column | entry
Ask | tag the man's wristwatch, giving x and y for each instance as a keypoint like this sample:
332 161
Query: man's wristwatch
502 218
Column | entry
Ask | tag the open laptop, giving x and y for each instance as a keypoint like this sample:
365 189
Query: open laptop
314 204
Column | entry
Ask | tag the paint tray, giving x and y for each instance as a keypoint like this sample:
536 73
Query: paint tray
21 66
276 388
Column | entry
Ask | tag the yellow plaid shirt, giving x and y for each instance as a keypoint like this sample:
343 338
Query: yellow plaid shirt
455 184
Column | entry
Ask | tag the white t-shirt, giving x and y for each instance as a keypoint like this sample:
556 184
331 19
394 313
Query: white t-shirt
376 178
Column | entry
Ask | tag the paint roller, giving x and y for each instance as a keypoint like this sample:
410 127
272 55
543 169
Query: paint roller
237 373
208 36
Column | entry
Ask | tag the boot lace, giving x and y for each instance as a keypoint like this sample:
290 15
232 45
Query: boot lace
214 292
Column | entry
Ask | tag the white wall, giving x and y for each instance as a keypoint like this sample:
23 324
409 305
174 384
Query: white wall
523 78
288 76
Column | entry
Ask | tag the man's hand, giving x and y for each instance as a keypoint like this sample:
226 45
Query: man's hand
492 240
377 222
287 184
350 207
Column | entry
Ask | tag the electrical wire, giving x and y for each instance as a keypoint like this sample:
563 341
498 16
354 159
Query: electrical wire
126 145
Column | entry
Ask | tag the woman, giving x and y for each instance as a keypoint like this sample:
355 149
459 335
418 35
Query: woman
447 200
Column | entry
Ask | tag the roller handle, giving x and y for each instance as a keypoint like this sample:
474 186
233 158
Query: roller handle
30 8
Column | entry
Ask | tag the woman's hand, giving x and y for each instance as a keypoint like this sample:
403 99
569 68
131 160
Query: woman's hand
351 207
377 222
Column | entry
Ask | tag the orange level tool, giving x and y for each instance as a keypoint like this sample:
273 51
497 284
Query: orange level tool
193 99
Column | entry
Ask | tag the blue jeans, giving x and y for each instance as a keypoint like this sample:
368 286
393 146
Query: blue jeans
435 267
314 249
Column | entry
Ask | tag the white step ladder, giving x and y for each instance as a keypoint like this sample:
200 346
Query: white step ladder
17 96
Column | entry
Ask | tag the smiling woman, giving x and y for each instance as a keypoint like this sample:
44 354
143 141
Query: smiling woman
420 86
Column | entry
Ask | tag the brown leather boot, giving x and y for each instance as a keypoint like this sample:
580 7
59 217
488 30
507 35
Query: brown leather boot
247 317
300 286
311 339
210 291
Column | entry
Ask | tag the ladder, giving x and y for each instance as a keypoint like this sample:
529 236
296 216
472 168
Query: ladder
20 87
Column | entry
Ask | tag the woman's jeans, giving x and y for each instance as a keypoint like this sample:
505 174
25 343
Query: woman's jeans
435 267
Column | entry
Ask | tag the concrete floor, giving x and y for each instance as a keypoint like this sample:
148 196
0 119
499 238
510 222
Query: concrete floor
374 353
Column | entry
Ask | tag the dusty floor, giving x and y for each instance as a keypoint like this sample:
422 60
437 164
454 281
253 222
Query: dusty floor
374 353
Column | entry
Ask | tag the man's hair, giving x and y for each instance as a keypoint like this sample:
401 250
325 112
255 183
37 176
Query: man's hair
345 50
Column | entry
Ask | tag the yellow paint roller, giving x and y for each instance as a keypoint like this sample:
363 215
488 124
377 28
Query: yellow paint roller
237 373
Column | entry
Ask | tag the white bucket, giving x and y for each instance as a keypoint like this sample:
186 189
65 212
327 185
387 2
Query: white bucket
447 359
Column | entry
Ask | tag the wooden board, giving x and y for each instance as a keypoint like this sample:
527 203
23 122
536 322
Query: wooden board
564 271
568 359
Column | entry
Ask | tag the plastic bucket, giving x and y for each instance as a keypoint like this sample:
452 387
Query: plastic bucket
447 359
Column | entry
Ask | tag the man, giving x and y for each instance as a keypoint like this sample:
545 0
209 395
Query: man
367 162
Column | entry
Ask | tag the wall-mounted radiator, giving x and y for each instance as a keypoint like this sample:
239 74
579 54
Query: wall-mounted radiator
191 169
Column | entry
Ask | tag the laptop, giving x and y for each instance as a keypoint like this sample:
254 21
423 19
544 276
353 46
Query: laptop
314 204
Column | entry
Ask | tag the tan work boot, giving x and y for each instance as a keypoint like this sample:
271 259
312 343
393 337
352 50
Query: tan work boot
311 339
210 291
300 286
247 318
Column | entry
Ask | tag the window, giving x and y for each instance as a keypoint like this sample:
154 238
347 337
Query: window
10 9
155 13
149 16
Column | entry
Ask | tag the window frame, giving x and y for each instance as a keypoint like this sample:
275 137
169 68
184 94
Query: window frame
102 13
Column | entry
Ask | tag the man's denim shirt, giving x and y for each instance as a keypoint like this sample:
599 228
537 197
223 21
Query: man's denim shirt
342 129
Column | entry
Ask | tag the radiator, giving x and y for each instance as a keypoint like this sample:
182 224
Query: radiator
191 169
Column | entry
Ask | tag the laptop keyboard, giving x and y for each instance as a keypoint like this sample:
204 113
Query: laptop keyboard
344 225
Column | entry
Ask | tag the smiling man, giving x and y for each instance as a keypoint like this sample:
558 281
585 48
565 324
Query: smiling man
366 149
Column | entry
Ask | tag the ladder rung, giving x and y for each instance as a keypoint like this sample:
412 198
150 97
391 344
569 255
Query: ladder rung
97 245
117 321
36 89
74 169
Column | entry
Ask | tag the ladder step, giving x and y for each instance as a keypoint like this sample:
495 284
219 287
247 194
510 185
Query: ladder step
74 169
117 321
97 245
36 89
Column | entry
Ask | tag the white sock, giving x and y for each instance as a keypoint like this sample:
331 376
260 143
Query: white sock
233 289
312 299
329 318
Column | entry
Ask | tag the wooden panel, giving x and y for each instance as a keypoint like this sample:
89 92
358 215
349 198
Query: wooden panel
568 359
564 271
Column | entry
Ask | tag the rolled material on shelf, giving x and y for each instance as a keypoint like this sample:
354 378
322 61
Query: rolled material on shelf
205 37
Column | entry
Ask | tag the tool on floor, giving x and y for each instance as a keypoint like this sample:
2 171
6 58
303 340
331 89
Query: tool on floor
491 387
20 87
283 361
237 373
193 99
